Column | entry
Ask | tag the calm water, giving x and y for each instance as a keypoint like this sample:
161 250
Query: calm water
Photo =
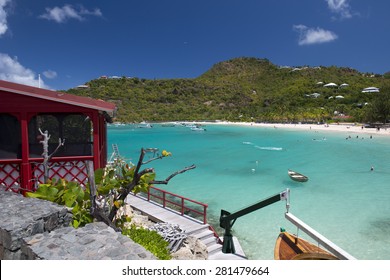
239 166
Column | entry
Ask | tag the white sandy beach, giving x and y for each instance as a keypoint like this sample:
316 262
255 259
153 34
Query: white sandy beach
342 128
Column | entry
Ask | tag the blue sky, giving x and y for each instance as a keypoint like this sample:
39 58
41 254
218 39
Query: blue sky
67 43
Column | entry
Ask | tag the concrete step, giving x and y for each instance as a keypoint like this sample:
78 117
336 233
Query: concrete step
221 256
204 234
216 253
196 229
209 241
215 248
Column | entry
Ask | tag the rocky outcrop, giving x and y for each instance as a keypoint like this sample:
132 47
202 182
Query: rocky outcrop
94 241
22 217
136 217
33 228
192 248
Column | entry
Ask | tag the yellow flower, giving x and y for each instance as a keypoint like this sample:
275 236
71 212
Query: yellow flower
166 154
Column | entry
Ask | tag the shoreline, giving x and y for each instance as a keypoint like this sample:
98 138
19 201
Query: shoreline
343 128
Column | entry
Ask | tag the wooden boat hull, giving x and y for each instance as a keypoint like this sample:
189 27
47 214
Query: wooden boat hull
291 247
297 176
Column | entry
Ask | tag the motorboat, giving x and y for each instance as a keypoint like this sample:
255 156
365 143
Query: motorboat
144 125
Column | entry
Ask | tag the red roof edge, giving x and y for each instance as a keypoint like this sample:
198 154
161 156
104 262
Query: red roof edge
56 96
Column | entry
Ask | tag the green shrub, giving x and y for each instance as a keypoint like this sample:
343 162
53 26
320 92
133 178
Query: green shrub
150 240
70 194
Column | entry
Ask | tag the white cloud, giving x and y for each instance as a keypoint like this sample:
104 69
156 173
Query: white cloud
340 7
310 36
50 74
11 70
67 12
3 16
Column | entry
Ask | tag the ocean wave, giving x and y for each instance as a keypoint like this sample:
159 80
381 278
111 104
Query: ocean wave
247 143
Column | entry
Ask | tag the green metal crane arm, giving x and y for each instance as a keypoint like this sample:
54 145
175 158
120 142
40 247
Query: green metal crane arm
227 219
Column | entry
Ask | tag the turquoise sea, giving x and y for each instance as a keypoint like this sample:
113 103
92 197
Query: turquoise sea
237 166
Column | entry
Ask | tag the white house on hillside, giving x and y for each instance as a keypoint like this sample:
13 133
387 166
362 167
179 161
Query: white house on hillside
330 85
370 89
314 95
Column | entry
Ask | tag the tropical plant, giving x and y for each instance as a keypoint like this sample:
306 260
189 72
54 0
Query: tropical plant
70 194
150 240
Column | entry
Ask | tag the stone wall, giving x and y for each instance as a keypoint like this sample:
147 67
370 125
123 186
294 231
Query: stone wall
38 229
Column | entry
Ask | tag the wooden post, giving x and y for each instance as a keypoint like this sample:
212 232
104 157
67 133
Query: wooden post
92 185
45 154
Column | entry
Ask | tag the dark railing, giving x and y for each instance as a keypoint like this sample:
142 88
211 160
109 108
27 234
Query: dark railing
181 204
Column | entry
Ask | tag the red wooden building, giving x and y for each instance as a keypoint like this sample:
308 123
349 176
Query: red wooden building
25 110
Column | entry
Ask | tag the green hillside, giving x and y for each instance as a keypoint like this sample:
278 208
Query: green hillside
245 89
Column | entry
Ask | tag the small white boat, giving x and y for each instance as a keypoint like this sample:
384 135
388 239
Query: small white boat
198 128
297 176
191 125
144 125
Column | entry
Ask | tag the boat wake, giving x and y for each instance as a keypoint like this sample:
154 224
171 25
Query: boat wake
263 148
269 148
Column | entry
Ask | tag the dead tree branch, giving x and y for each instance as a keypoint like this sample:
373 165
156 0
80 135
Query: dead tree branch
138 174
95 211
173 175
45 154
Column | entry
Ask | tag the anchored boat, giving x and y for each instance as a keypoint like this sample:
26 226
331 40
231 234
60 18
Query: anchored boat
297 176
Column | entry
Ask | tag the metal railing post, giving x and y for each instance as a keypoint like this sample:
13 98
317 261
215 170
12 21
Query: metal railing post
204 214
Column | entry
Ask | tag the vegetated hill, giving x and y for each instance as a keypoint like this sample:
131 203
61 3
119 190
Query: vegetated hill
243 89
